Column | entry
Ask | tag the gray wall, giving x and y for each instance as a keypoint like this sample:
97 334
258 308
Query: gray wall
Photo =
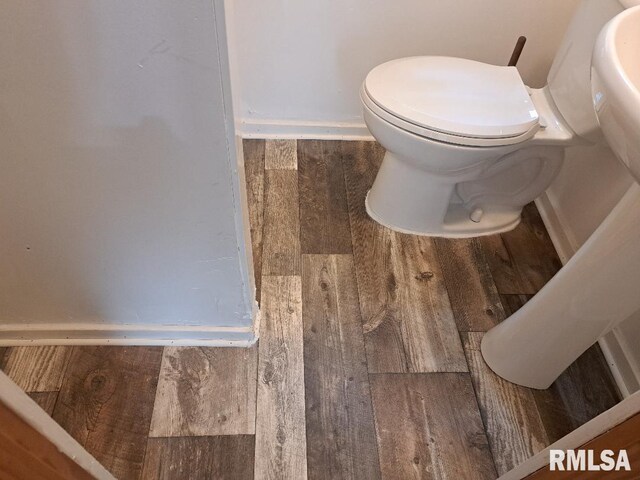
120 201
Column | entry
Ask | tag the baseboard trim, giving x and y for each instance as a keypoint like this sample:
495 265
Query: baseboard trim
615 352
92 334
291 129
552 221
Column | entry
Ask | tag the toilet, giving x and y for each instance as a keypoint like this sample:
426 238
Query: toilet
468 144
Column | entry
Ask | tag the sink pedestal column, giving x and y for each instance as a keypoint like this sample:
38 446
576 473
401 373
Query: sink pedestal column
598 288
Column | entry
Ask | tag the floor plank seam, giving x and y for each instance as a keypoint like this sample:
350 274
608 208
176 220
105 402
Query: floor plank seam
479 407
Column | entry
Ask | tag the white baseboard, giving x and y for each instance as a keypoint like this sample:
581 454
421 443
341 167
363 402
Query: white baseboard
92 334
289 129
619 357
563 245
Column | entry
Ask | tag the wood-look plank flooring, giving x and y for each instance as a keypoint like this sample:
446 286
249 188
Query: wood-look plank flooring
368 364
512 421
199 458
407 318
280 412
429 427
324 215
340 426
189 400
281 229
106 401
37 369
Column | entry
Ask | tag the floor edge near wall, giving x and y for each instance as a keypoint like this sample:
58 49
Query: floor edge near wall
85 334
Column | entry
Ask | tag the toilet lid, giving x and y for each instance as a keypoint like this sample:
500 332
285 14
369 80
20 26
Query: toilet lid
454 95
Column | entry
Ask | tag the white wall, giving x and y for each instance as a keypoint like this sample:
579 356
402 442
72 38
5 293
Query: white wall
119 195
300 64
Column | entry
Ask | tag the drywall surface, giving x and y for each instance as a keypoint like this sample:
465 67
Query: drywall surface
303 62
119 195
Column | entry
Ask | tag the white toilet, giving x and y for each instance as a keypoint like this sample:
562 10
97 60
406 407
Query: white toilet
469 144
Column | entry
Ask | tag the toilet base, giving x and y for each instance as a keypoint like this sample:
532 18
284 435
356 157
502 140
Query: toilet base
457 223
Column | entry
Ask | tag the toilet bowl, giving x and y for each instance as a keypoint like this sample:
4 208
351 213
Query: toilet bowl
467 145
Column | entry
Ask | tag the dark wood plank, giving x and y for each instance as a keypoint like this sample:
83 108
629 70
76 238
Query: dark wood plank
37 369
46 400
512 303
532 251
254 176
280 155
4 351
324 218
189 400
408 322
26 454
582 392
341 439
429 427
281 242
106 401
200 458
281 450
505 275
474 297
513 425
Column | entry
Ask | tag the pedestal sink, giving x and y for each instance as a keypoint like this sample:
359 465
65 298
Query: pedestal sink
600 286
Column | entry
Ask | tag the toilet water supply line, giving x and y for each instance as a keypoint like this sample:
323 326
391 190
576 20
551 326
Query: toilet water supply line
517 51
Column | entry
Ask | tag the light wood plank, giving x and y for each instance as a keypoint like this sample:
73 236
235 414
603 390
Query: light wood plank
280 420
254 175
408 321
199 458
429 427
281 242
341 439
190 400
324 218
513 424
26 454
106 401
37 369
532 251
474 297
582 392
281 155
46 400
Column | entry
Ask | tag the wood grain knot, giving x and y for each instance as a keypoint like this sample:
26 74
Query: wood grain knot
99 384
424 276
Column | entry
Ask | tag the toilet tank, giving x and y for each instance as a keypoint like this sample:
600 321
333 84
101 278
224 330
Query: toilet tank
569 79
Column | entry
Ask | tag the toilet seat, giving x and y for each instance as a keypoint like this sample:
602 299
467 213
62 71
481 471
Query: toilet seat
452 100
